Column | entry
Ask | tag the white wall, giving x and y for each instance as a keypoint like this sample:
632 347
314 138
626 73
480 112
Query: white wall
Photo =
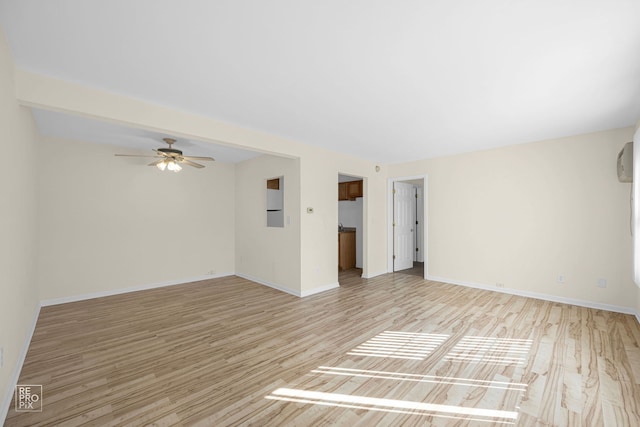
108 223
18 213
350 215
523 215
270 255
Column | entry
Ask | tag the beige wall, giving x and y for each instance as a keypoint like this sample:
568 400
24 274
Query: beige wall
18 290
502 199
318 168
319 247
109 223
303 258
523 215
268 254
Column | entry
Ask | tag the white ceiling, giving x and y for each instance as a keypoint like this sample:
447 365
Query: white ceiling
60 125
387 80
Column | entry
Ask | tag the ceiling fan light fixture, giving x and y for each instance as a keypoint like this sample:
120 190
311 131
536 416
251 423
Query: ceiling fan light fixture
174 166
162 165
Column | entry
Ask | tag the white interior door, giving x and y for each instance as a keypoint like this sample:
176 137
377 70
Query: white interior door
404 219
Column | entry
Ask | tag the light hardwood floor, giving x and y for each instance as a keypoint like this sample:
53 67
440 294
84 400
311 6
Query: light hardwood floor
393 350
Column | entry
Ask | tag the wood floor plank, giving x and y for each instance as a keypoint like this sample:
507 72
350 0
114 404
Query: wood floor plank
393 350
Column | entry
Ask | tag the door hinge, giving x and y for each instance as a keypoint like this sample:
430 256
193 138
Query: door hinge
416 222
416 195
394 257
393 224
417 250
394 191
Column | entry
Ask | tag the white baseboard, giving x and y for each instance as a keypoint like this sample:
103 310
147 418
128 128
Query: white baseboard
638 316
74 298
4 406
269 284
92 295
319 289
300 294
372 275
536 295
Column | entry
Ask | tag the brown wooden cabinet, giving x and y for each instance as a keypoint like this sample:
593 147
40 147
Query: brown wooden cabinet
343 192
273 184
349 190
346 249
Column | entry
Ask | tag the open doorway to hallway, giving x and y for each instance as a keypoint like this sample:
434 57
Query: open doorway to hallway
407 226
350 223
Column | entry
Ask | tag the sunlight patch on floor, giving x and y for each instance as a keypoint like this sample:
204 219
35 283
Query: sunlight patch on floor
392 405
398 376
504 351
400 345
491 398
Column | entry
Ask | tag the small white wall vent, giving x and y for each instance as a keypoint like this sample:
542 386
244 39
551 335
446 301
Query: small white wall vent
625 163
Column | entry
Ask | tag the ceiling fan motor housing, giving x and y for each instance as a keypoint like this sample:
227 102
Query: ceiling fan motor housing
170 151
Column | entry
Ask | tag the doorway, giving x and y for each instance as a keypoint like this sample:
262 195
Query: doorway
350 223
407 228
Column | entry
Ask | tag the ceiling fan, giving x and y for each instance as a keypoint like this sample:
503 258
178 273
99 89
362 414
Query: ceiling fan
170 158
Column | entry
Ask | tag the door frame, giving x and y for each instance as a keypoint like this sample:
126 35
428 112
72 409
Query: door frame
425 218
365 228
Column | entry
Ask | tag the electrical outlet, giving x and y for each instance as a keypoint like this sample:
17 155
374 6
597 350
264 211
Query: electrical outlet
212 272
602 283
500 285
561 278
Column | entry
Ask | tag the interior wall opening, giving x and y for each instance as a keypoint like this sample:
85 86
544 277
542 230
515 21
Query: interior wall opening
350 224
407 226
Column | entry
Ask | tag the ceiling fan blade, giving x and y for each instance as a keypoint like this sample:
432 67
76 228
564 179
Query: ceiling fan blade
195 165
163 154
171 157
132 155
210 159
